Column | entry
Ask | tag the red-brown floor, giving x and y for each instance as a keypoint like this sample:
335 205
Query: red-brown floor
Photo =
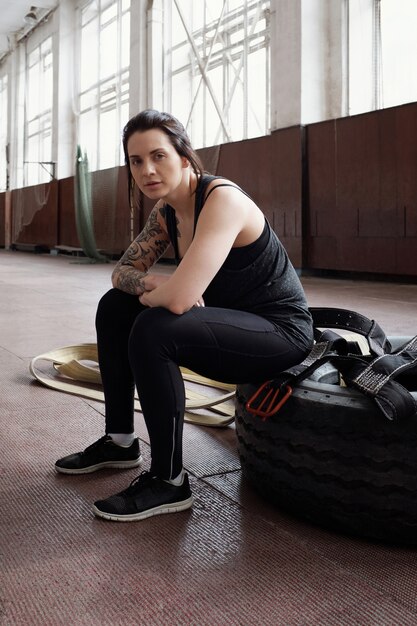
231 560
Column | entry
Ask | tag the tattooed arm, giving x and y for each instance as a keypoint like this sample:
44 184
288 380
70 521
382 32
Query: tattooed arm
131 271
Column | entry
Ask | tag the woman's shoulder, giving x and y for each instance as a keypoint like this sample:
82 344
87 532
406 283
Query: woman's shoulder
209 182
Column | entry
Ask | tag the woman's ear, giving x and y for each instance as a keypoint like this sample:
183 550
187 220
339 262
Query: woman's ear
185 162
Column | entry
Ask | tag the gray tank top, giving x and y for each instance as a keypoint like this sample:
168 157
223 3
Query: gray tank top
258 278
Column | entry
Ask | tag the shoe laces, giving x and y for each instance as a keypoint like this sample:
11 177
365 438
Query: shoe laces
140 481
96 444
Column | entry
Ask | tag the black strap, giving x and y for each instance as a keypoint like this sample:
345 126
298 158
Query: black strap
373 375
225 185
355 322
377 379
201 198
171 222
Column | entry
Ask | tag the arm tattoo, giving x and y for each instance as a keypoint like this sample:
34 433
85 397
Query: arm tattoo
140 256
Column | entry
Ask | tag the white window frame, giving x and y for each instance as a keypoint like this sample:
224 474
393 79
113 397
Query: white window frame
236 30
106 94
38 126
4 116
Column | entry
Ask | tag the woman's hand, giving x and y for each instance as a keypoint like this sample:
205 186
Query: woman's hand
144 299
152 281
147 300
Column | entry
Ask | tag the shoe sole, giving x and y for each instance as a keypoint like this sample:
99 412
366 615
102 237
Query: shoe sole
175 507
99 466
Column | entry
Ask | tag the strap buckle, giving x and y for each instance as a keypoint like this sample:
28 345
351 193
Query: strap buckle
272 394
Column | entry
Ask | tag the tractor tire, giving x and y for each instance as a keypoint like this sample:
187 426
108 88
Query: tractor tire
332 458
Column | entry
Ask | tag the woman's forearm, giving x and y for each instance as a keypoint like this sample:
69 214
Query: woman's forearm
129 279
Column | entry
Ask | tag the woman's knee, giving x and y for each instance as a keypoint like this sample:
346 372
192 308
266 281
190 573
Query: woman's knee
115 306
154 327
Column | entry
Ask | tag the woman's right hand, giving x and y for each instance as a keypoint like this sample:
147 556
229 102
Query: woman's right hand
152 281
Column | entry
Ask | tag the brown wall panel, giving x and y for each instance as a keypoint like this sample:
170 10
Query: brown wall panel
2 219
387 215
287 189
210 158
320 140
357 151
248 164
406 256
111 213
35 215
373 192
406 167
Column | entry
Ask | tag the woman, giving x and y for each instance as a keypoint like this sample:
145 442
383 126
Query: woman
233 310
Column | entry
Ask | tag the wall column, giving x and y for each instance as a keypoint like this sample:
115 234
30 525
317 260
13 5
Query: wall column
63 123
308 61
138 77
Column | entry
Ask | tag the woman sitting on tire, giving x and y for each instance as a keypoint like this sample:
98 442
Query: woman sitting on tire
233 310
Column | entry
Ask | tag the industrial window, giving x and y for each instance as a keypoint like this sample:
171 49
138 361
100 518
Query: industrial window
104 80
382 48
398 52
217 68
3 134
38 114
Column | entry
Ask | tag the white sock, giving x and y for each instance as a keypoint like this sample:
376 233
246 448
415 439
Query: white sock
122 439
178 480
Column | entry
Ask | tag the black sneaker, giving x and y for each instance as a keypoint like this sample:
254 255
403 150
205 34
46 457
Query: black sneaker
101 454
146 496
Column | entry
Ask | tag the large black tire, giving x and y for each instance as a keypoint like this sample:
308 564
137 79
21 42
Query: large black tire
331 457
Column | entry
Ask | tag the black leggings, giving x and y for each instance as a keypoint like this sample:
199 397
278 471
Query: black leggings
145 346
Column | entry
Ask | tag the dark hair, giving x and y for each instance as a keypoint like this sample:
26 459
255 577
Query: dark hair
174 130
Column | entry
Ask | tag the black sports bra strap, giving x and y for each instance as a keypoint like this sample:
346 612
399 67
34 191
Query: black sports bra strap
171 222
201 199
225 185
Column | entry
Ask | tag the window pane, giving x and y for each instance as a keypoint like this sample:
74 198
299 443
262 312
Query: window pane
181 95
125 40
88 100
108 50
248 113
107 139
399 49
33 57
3 132
46 94
33 91
38 128
360 56
89 12
33 127
256 86
103 106
88 137
89 55
109 14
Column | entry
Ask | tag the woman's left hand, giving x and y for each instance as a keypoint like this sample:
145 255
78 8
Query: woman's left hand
147 300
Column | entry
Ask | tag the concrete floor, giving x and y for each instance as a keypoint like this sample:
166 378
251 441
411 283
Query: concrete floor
232 560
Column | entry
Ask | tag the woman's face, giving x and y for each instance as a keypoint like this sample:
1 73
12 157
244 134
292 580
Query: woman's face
156 166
